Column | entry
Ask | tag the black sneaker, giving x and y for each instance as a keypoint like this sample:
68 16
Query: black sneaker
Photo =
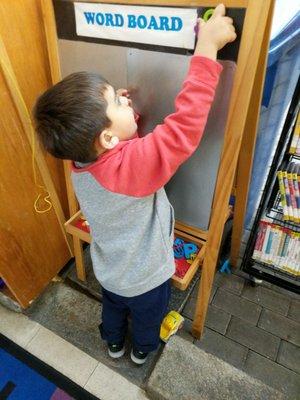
116 350
138 357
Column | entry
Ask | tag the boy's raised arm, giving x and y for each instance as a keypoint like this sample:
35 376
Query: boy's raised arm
145 165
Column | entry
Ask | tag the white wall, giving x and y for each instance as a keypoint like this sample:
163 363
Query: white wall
283 13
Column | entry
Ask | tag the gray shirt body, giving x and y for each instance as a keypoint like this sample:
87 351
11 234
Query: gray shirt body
132 238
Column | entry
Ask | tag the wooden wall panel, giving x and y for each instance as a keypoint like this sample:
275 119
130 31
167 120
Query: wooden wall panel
32 246
22 31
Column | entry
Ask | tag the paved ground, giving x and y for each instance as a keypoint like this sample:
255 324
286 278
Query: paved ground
256 329
185 372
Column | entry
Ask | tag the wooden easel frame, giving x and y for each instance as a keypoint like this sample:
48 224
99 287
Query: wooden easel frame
246 153
246 93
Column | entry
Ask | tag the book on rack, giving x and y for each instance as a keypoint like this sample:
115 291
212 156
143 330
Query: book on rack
278 246
289 188
295 144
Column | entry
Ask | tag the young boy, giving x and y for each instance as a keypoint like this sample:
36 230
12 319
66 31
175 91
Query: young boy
119 181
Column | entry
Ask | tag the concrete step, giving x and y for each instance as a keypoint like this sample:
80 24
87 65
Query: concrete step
185 372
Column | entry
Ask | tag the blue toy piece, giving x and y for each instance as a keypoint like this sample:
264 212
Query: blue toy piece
184 250
225 268
189 249
178 248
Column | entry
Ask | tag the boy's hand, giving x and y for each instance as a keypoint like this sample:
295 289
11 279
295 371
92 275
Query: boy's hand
215 33
124 93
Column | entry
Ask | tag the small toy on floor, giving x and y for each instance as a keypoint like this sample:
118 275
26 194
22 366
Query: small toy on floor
225 267
170 325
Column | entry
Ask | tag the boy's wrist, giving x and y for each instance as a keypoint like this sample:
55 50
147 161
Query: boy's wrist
206 50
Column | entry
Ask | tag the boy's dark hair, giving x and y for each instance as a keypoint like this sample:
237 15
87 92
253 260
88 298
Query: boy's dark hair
70 115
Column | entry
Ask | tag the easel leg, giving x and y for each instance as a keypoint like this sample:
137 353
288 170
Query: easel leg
73 206
78 252
206 281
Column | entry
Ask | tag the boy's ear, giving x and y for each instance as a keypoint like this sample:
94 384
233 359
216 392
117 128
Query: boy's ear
107 140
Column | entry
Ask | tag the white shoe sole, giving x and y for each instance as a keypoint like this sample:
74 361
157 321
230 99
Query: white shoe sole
137 360
118 354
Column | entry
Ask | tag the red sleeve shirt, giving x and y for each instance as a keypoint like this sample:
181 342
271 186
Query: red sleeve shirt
141 166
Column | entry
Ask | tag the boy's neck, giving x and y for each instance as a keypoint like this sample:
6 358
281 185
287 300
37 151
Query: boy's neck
101 151
79 164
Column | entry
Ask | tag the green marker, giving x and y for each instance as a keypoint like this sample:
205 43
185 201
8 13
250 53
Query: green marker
208 14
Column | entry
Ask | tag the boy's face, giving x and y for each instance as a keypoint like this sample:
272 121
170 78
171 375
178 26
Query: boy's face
121 115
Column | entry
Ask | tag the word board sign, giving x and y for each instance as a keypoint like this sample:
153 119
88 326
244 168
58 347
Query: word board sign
162 26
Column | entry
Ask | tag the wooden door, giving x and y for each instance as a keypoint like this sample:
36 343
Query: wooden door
32 246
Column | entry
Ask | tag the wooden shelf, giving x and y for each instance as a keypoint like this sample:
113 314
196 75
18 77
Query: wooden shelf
182 283
179 283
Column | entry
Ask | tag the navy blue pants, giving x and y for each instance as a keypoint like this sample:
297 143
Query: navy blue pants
147 312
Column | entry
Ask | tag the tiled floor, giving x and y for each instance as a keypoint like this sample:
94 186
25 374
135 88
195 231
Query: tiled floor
83 369
256 329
